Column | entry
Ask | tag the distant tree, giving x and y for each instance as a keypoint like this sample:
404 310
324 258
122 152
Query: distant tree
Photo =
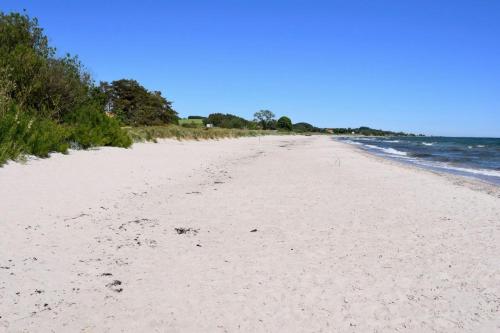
284 123
265 118
196 117
135 105
227 121
305 127
364 130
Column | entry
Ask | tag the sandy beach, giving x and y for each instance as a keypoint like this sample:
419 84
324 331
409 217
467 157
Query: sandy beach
270 234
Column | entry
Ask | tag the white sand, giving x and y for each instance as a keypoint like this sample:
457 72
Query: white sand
344 242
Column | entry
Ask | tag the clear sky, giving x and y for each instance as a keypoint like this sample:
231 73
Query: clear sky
426 66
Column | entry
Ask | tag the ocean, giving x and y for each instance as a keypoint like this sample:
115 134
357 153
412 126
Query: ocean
472 157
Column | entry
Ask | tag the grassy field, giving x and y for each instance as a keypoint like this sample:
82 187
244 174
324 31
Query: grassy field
151 133
192 122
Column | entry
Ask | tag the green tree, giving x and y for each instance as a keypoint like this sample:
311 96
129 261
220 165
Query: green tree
284 123
135 105
41 81
265 118
227 121
47 103
305 127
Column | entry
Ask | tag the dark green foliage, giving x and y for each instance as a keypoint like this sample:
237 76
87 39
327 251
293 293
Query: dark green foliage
368 132
266 119
305 127
227 121
135 105
23 133
284 123
47 102
91 128
41 82
197 117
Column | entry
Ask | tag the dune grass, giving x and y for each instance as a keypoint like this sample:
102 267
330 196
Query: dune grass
152 133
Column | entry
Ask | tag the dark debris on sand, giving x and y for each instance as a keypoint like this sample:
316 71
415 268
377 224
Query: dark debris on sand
186 231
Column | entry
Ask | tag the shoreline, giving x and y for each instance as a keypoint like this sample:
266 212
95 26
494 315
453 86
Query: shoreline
474 183
273 233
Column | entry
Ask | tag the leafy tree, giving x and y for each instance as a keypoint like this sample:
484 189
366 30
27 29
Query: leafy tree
227 121
135 105
306 127
40 81
284 123
47 103
265 118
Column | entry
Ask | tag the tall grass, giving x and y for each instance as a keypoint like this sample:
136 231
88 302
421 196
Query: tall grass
23 134
151 133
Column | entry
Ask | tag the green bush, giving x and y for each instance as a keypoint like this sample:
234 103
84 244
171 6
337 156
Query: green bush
22 133
91 128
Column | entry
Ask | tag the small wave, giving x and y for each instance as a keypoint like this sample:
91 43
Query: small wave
395 141
480 146
447 166
352 142
388 150
428 143
394 151
484 172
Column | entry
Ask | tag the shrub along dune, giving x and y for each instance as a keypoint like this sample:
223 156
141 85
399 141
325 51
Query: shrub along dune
49 103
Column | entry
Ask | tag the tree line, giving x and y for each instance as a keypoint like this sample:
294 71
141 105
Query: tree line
263 119
49 103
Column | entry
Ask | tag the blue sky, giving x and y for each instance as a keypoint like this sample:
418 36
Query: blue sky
423 66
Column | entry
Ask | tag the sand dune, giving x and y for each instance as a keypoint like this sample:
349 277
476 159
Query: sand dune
271 234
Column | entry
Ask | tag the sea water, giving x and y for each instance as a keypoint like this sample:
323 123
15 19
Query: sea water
473 157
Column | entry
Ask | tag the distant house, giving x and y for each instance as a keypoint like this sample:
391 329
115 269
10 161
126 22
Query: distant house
210 125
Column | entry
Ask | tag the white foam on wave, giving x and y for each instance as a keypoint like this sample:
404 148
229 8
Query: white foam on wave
432 164
352 142
394 151
395 141
443 165
388 150
428 143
